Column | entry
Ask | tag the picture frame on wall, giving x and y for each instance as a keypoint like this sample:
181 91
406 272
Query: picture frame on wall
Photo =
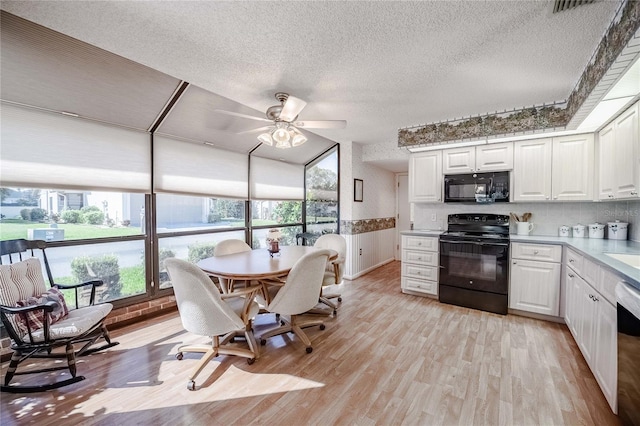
357 190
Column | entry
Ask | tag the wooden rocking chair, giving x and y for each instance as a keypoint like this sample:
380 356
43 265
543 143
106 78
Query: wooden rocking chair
28 311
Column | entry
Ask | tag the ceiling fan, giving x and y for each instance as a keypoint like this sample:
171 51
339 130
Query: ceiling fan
284 129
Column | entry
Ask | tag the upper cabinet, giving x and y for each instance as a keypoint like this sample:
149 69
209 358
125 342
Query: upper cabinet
532 170
425 177
554 169
485 158
572 168
619 155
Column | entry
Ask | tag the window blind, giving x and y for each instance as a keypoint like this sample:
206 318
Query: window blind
197 169
41 149
276 180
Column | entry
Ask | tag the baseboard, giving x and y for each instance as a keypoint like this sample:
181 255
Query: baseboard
371 268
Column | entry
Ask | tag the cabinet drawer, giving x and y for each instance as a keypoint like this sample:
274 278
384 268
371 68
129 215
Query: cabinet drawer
420 243
540 252
607 284
590 272
575 261
420 271
421 257
422 286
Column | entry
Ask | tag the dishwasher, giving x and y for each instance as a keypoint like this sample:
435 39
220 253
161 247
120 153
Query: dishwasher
628 301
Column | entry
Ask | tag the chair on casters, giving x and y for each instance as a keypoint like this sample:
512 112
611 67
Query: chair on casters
225 247
38 321
207 312
334 271
298 295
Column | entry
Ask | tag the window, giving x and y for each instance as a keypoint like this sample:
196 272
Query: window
61 215
322 194
190 213
192 248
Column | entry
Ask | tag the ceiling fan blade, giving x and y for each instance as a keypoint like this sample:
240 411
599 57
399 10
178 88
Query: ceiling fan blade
259 129
321 124
237 114
291 108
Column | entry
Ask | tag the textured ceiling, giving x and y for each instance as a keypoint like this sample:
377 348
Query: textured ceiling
378 65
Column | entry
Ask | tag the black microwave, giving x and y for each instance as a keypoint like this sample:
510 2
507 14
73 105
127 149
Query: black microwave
477 188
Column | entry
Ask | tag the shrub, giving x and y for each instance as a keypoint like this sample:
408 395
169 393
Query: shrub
126 222
214 217
55 217
87 209
163 255
93 217
72 216
38 214
25 214
200 251
103 268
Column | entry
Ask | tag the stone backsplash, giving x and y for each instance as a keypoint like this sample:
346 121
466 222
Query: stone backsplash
352 227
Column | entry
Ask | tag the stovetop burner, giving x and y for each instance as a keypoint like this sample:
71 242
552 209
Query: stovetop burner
477 227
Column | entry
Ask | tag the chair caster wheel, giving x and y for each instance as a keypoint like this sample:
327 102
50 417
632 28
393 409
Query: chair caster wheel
251 360
281 323
179 356
309 349
335 312
191 385
263 342
339 299
322 327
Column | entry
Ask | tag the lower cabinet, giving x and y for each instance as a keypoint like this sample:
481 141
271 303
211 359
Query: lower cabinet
592 320
420 265
535 284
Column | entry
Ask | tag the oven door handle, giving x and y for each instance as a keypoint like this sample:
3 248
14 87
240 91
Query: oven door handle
477 243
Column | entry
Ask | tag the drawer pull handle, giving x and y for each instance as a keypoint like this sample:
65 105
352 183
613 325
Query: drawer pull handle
571 276
595 299
571 260
591 296
515 263
634 192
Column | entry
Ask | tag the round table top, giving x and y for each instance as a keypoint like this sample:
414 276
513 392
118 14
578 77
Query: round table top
256 264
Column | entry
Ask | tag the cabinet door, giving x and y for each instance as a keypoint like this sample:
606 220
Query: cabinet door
572 302
535 287
573 168
606 351
587 321
425 177
607 162
627 154
532 170
492 157
459 160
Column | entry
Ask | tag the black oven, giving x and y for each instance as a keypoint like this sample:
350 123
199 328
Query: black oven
474 262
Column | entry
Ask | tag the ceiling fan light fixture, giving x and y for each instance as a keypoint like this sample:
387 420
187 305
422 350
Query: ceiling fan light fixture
266 139
283 144
281 133
297 137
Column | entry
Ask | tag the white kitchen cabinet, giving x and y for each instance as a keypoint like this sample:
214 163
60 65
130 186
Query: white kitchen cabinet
572 168
425 177
420 260
535 285
484 158
607 163
532 170
559 169
592 320
619 157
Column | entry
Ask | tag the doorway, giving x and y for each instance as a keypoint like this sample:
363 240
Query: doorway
403 209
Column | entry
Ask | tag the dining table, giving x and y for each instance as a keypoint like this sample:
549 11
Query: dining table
258 264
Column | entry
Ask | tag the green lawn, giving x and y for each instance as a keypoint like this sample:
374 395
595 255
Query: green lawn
13 229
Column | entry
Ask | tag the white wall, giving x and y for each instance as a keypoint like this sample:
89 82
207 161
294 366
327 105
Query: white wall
366 250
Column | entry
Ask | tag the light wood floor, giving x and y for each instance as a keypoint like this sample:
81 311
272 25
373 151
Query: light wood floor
387 358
